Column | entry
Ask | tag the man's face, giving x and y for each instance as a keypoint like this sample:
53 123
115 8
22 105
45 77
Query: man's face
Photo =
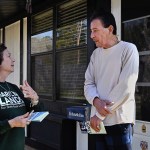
99 34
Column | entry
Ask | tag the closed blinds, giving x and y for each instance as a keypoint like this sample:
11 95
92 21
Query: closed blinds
71 12
42 22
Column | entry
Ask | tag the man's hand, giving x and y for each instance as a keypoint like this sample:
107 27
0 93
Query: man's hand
95 123
102 106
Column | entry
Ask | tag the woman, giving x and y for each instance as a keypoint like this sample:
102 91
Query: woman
14 105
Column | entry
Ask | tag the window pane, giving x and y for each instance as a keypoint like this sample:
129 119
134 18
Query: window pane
72 35
71 66
143 103
42 74
42 42
138 32
144 69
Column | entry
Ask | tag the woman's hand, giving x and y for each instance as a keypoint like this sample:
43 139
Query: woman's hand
20 121
29 92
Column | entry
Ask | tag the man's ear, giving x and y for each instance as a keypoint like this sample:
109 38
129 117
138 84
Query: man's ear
111 28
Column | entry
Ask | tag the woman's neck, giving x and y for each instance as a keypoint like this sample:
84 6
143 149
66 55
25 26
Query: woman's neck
3 77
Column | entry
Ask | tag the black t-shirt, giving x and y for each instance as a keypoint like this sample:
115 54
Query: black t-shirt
12 104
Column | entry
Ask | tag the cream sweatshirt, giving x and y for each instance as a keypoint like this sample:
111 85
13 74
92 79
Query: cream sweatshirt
111 75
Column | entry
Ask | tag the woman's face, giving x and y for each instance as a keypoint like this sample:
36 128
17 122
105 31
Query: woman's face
7 64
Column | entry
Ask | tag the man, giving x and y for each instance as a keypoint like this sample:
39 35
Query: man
110 81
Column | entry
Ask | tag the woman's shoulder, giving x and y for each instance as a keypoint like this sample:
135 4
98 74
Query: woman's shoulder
13 85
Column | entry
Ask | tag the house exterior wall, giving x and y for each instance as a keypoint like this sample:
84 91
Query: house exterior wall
58 121
12 41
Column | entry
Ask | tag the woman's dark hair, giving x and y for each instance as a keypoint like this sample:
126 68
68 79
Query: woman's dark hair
107 19
2 48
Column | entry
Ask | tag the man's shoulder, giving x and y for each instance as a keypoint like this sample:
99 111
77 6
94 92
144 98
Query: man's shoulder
129 49
128 44
96 50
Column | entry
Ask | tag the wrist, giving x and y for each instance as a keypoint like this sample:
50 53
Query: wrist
34 96
35 101
11 123
96 100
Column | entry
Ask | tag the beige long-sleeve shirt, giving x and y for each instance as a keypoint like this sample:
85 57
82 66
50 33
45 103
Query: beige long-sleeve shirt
111 75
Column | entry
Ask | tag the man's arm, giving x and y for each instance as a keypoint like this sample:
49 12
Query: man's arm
127 80
90 91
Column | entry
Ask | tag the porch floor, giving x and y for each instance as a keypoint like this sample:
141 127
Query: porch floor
29 148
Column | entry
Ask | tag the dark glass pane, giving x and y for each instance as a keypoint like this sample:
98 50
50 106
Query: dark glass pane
71 66
42 74
143 103
42 42
138 32
72 35
144 69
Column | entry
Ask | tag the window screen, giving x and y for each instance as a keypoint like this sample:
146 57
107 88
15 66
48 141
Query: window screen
42 74
71 66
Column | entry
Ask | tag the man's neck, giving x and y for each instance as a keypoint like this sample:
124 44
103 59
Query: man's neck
111 42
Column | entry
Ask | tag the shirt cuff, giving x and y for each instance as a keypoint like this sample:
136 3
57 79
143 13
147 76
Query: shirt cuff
34 102
100 116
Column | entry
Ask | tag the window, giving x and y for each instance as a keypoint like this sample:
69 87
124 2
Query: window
138 32
41 53
71 50
60 68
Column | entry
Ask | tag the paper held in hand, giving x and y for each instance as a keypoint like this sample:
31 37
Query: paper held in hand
38 116
92 131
